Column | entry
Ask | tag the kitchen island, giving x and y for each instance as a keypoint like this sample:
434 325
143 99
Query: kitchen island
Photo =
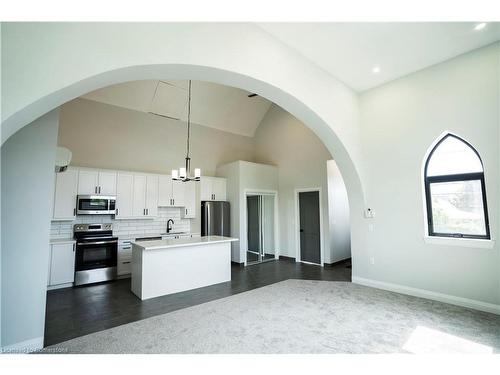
175 265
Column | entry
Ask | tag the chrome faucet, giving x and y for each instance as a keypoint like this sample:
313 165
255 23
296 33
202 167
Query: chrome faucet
170 222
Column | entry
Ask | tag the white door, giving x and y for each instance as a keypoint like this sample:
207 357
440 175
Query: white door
139 200
152 196
206 193
178 193
124 195
165 191
88 181
62 264
189 211
65 194
219 189
107 183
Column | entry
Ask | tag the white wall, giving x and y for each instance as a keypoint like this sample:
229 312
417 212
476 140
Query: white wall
400 120
27 187
338 214
301 158
242 176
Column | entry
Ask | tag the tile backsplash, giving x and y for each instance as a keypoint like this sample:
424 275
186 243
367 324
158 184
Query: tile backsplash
129 228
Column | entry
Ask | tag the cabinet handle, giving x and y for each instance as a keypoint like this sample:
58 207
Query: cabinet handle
147 211
95 189
126 262
99 190
116 211
74 211
186 211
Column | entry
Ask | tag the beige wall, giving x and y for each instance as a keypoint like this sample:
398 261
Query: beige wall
106 136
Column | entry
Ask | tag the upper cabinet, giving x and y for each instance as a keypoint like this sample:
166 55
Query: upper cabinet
136 196
92 181
171 193
190 203
66 186
213 189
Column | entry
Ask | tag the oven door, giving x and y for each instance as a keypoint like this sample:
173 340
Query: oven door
96 254
95 205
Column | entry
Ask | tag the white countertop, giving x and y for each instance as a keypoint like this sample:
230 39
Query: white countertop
61 240
182 242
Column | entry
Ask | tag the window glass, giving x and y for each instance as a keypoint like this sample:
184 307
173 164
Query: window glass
453 156
457 207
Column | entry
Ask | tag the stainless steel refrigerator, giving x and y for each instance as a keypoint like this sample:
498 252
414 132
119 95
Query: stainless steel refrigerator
215 218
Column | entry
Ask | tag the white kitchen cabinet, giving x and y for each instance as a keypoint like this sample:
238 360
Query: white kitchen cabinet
152 195
107 183
219 188
93 181
139 200
88 181
189 211
62 264
66 187
136 196
212 189
171 193
124 195
124 261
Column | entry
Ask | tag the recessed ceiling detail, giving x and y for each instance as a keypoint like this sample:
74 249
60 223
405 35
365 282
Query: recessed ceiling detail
220 107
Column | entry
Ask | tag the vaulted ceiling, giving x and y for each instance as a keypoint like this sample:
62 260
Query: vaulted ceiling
216 106
350 51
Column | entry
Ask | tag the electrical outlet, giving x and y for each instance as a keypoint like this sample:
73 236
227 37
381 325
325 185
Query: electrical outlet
372 260
369 213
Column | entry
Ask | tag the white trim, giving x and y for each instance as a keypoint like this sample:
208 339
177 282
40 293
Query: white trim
250 191
23 347
59 286
423 293
462 242
297 224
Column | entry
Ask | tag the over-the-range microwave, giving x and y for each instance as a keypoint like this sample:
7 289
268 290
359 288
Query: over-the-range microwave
95 205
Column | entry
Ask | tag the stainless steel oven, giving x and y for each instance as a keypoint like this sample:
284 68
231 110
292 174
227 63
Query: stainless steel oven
96 253
95 205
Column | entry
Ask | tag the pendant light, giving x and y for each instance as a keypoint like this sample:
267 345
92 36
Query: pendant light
184 173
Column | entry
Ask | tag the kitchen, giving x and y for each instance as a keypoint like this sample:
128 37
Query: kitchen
122 184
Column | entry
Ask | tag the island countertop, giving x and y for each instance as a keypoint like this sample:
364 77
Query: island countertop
181 242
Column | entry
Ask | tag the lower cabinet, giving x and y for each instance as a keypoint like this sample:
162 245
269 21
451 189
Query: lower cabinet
61 264
124 266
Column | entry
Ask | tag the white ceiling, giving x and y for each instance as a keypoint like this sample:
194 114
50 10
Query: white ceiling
349 51
216 106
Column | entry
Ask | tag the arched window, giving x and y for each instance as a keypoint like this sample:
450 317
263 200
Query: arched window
455 191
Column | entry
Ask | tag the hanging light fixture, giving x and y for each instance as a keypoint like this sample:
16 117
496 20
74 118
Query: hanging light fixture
184 173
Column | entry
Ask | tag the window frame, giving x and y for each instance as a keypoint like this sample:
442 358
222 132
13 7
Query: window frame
474 176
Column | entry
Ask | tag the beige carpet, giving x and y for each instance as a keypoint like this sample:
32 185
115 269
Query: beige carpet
302 316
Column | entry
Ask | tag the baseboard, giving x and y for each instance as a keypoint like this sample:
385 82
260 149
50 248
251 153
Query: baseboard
60 286
337 262
238 264
441 297
23 347
290 259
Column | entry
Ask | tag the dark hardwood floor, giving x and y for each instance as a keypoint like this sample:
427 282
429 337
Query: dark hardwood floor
74 312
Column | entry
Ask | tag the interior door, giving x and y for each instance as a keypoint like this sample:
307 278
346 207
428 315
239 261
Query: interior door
107 183
310 239
87 182
139 199
253 229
